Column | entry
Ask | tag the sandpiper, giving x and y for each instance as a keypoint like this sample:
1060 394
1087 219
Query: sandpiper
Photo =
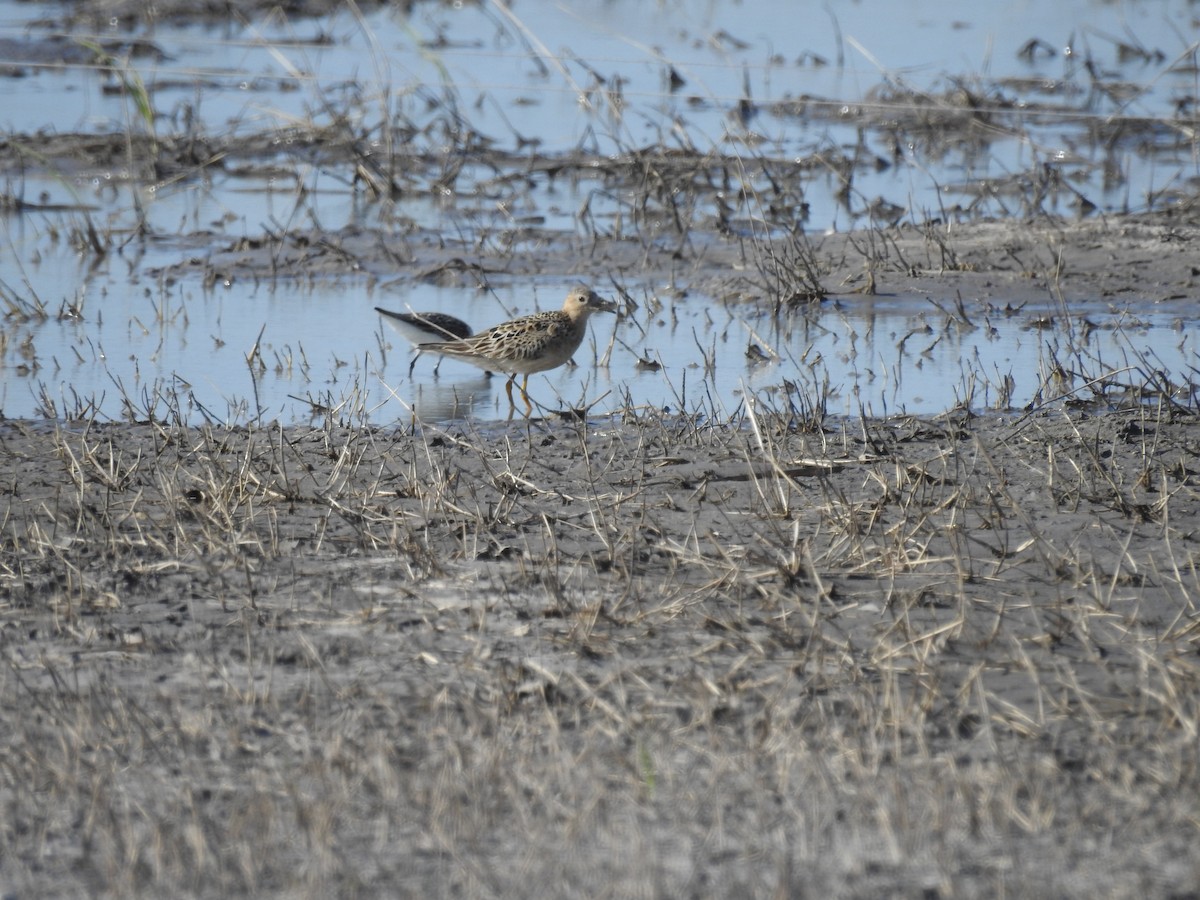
528 344
425 326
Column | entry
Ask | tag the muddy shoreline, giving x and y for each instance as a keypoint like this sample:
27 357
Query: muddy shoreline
946 655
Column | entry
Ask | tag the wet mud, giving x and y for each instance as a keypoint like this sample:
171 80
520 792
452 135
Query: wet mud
869 657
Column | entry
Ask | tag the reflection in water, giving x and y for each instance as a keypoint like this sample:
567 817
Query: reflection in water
453 398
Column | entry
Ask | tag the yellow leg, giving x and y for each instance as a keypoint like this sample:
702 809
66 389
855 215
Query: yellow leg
525 396
508 389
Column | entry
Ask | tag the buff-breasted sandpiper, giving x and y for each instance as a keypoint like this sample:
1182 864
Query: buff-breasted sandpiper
420 327
528 344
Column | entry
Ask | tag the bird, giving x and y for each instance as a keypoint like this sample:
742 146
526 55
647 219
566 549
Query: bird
425 326
528 344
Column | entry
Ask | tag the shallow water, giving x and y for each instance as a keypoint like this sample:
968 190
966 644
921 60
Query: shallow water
137 350
560 79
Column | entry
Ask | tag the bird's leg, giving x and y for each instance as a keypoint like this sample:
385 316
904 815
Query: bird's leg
525 396
412 365
508 388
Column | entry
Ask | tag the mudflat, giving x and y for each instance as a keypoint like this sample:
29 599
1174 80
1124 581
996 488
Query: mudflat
770 656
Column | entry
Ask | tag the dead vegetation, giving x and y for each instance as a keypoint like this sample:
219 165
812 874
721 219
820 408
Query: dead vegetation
952 656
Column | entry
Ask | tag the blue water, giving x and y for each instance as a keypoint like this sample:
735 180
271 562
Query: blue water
183 348
555 77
